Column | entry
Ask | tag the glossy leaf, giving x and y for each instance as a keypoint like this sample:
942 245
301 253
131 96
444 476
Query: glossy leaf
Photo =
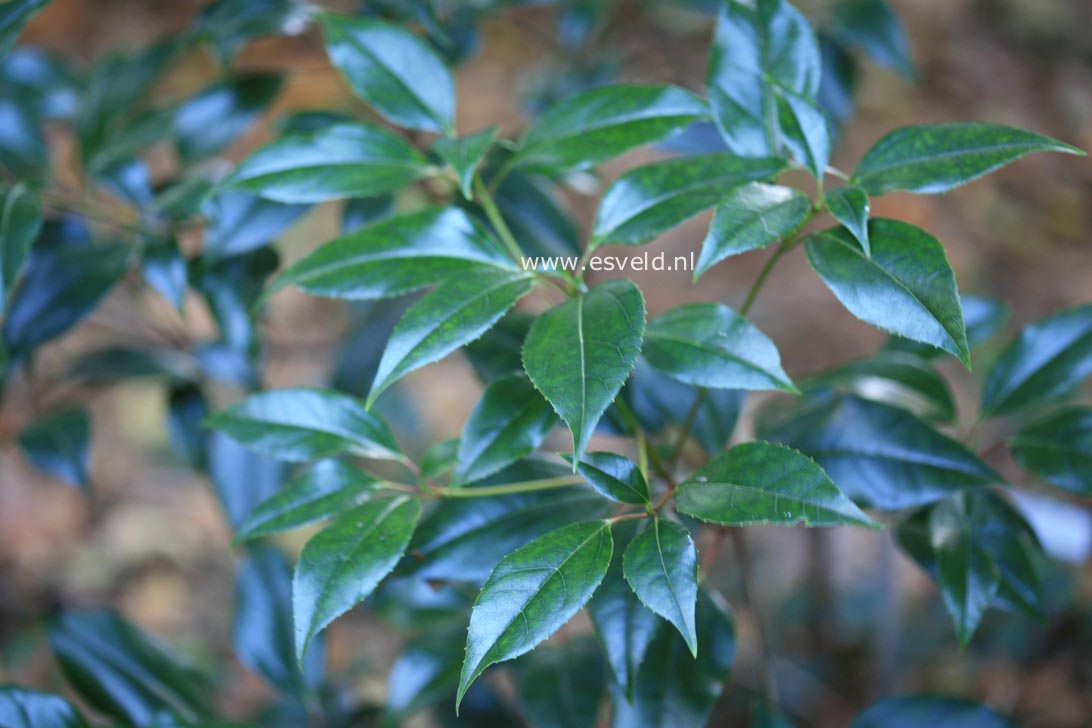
59 444
464 154
710 345
752 217
396 72
536 217
509 422
164 269
661 564
1049 359
343 563
649 200
614 476
426 672
600 123
850 206
968 576
13 16
241 478
805 131
325 489
933 158
880 456
307 424
561 685
459 311
579 354
227 24
901 379
123 672
239 222
533 592
906 287
1058 448
345 160
20 222
499 352
396 255
760 482
873 27
983 318
218 114
23 708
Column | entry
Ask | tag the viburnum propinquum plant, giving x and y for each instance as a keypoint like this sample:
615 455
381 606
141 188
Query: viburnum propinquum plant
484 547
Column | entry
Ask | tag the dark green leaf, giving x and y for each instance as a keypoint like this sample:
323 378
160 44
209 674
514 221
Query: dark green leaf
902 379
906 287
343 563
850 206
394 71
464 154
1058 448
42 79
880 456
806 131
362 211
216 116
982 316
13 16
674 688
459 311
759 482
509 422
560 686
603 122
325 489
1049 360
580 353
499 352
307 424
186 413
227 24
535 216
533 592
22 142
614 476
914 711
232 286
967 574
123 672
396 256
23 708
873 27
649 200
164 269
241 478
661 565
932 158
439 459
20 222
709 345
426 672
59 444
345 160
239 222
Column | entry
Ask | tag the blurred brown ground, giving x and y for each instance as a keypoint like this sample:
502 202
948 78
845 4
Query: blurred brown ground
153 543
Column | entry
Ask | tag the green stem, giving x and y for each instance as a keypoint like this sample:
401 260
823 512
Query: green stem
761 280
497 220
485 491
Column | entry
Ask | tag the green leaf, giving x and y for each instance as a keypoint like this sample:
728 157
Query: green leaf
873 27
983 318
217 115
906 287
533 592
464 154
439 460
850 206
425 673
341 565
674 688
894 377
459 311
325 489
614 476
760 51
806 131
164 269
13 16
933 158
58 444
661 565
124 673
509 422
23 708
648 200
239 222
396 72
499 352
307 424
579 354
344 160
914 711
880 456
710 345
561 685
1049 360
20 222
1058 448
600 123
760 482
536 216
752 217
968 576
396 255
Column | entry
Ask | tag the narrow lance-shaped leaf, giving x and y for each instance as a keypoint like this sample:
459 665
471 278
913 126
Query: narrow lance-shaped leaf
850 206
533 592
344 562
899 378
967 574
873 27
616 477
906 287
759 482
307 424
661 565
579 354
20 222
1058 448
464 154
932 158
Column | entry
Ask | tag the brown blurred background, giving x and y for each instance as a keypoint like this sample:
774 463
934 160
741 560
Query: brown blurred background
152 543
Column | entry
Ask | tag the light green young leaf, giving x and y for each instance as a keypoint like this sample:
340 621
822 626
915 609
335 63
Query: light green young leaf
850 206
752 217
464 154
661 565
